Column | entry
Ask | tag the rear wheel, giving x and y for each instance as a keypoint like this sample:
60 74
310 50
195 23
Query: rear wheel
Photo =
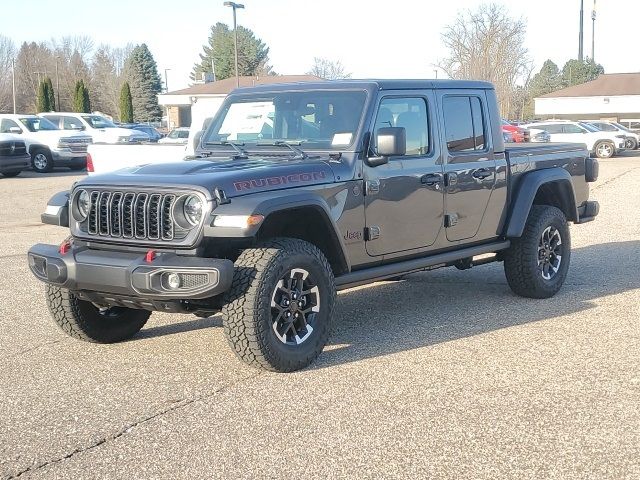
83 320
41 161
277 314
605 149
11 174
537 263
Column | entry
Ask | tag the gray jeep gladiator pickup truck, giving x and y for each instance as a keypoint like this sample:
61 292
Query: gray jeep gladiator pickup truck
299 190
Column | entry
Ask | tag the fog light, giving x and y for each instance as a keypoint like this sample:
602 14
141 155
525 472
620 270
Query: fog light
174 281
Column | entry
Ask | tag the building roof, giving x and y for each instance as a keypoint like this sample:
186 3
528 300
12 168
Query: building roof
605 85
226 86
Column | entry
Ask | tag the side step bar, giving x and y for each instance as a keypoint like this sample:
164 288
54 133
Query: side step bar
381 272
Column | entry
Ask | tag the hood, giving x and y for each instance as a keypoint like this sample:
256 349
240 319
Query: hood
51 137
235 177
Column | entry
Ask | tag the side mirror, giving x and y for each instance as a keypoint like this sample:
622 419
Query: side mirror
16 130
390 142
196 139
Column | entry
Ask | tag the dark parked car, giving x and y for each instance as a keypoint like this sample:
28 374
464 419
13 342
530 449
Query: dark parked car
154 135
299 190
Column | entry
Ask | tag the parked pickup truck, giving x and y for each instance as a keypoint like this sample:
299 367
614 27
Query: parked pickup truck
105 157
13 155
340 184
46 144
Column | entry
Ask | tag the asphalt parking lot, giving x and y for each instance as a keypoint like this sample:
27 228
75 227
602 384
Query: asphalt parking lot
445 374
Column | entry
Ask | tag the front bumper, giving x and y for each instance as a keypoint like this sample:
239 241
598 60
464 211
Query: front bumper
66 156
129 274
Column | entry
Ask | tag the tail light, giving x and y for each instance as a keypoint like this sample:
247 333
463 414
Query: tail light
90 163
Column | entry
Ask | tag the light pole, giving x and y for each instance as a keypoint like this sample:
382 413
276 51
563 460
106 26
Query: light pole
166 83
581 33
593 31
235 6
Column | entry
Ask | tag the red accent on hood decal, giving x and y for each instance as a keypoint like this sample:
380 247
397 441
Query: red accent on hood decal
279 180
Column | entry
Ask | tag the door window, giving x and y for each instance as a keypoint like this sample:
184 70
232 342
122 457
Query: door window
570 128
463 123
409 113
70 123
7 124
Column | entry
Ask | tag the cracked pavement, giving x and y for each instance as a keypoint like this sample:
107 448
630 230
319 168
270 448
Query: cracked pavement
445 374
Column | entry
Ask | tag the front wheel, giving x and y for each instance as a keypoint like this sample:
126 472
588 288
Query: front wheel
537 263
277 314
630 143
83 320
41 161
605 150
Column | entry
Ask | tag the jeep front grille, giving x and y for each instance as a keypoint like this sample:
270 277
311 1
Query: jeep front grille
133 215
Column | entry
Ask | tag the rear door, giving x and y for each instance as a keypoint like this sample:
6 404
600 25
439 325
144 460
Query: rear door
470 167
403 198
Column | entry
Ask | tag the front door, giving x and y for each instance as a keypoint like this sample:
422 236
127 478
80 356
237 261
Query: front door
404 199
470 170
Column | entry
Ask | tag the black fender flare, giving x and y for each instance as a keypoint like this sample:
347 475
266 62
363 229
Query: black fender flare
57 212
265 204
526 193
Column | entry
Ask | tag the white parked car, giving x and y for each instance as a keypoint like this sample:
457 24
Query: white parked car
599 143
47 145
177 135
100 128
632 138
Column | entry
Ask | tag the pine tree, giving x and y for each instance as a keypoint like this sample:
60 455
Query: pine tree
126 105
253 54
81 101
145 84
50 94
42 101
576 72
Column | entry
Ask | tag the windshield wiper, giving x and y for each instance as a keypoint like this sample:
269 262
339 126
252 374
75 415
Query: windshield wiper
280 143
242 153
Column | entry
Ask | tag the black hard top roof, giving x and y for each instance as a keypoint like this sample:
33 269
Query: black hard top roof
367 85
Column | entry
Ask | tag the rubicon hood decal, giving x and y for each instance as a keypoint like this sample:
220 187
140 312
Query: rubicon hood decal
292 178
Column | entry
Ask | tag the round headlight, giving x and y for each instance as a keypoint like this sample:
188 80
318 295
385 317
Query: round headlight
193 209
83 205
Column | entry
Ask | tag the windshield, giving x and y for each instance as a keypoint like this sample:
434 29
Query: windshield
621 127
179 134
36 124
588 126
314 119
96 121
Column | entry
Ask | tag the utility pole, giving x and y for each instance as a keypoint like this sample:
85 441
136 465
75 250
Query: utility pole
581 34
436 72
235 6
593 31
13 80
58 85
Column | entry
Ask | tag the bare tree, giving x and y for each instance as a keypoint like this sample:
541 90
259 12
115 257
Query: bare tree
7 53
328 69
488 44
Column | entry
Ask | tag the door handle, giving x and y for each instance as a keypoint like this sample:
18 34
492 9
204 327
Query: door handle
482 173
431 179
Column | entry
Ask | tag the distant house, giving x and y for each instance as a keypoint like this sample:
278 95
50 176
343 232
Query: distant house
614 96
202 100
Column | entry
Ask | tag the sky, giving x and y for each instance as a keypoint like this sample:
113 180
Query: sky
384 39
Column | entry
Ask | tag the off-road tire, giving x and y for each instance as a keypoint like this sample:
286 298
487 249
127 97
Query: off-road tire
521 259
600 153
10 174
248 321
37 157
82 320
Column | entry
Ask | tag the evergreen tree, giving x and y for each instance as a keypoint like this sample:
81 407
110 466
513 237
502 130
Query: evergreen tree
81 101
547 80
50 94
253 54
126 105
576 72
42 100
145 84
